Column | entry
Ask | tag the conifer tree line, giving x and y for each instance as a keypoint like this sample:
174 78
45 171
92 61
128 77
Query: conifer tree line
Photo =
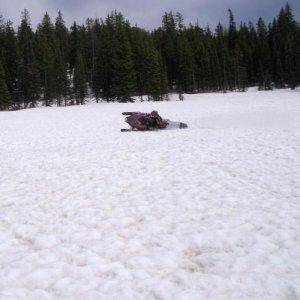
111 60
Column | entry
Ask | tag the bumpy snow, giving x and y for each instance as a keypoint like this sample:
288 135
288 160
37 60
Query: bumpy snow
211 212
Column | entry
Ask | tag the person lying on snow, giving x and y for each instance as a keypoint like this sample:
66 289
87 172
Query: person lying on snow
145 121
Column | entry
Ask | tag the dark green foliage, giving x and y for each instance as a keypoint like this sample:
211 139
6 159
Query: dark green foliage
79 81
140 53
62 82
123 80
113 61
297 55
89 47
29 77
123 73
264 56
232 32
186 65
47 54
156 80
11 62
168 46
114 76
74 45
223 58
5 100
240 69
150 74
102 73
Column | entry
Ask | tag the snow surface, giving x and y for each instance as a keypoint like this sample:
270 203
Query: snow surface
210 212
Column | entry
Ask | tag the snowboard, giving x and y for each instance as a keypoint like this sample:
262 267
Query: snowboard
170 126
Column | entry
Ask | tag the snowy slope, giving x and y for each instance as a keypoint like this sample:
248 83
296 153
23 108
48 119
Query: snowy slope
211 212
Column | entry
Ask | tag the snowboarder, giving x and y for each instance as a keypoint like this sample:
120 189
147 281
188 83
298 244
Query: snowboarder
145 121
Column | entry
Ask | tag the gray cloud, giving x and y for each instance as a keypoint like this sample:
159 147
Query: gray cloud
146 13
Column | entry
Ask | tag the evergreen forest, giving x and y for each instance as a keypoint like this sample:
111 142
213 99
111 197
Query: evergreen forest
111 60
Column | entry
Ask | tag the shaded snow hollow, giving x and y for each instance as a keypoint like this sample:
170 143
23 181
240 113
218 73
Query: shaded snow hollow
211 212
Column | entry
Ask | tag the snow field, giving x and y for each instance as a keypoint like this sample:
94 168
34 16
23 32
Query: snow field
211 212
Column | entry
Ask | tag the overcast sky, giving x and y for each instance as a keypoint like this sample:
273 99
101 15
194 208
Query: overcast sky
148 13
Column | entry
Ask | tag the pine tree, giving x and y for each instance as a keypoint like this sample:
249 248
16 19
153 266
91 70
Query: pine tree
62 35
29 75
213 65
291 47
123 77
168 44
276 65
140 44
5 100
61 78
240 59
90 45
104 54
185 65
150 76
11 63
196 40
253 64
75 45
297 55
46 52
232 41
232 33
100 68
278 74
79 80
62 81
156 83
224 58
163 79
86 50
264 58
240 69
287 44
1 34
123 81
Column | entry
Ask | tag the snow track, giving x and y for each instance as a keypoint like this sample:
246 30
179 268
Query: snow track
211 212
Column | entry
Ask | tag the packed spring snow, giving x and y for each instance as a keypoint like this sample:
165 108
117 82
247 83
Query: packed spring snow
210 212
